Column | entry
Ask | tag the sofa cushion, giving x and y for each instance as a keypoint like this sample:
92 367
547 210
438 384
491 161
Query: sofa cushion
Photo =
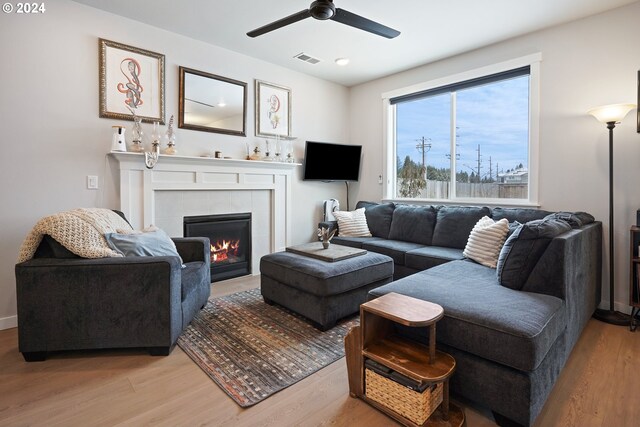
454 223
518 214
354 242
352 224
396 249
486 240
430 256
379 217
413 224
513 328
523 249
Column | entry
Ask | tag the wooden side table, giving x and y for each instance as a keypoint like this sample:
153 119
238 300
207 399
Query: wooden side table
376 339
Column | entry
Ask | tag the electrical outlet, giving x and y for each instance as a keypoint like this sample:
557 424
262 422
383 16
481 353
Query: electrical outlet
379 179
92 182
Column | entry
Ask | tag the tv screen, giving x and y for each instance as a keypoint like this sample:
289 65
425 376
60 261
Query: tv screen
331 162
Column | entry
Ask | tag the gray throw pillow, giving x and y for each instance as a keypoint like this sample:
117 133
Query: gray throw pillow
523 249
513 226
574 219
150 243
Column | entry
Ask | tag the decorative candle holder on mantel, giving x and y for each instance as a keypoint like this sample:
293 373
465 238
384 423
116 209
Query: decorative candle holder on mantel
256 153
170 137
281 147
136 133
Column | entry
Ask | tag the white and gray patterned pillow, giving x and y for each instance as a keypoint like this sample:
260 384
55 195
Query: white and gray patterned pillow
486 240
352 224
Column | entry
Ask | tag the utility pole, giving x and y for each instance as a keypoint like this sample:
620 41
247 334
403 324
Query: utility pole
490 170
424 145
479 163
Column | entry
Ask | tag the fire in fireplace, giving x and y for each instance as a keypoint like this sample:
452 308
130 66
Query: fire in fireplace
230 237
225 251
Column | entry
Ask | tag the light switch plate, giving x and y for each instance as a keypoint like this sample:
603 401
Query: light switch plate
92 182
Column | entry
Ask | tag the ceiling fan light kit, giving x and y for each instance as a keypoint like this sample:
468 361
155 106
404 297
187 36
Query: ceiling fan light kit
323 10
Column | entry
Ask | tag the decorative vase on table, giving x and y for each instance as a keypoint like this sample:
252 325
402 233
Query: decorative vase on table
326 236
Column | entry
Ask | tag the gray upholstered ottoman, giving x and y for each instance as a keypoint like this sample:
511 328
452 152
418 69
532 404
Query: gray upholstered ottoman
319 290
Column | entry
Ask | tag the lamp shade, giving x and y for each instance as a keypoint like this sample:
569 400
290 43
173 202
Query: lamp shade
611 113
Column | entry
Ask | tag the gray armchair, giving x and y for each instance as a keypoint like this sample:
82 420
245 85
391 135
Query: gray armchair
70 303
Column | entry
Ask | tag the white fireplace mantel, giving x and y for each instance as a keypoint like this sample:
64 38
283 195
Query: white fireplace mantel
139 185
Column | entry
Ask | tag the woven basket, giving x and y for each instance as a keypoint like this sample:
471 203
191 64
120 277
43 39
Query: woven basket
411 404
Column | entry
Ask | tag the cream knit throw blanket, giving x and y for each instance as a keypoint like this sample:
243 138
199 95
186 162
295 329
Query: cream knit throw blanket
79 230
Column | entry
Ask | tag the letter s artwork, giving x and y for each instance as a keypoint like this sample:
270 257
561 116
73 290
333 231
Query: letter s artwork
130 68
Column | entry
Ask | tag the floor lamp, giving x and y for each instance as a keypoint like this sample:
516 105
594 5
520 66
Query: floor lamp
611 114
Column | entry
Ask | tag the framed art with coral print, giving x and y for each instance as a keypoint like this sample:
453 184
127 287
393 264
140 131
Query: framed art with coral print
273 110
131 79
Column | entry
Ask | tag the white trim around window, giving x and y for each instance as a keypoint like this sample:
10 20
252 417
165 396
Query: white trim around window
389 113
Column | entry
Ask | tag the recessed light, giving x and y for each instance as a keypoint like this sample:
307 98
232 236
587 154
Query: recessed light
342 61
221 104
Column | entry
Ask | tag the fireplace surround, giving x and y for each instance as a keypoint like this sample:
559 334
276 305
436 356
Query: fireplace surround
180 186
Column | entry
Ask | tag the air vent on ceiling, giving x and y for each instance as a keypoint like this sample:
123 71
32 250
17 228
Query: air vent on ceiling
307 58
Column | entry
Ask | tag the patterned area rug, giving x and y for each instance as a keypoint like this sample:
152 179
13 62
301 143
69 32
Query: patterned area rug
253 350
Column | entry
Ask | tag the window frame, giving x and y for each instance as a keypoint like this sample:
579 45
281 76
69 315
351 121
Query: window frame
389 129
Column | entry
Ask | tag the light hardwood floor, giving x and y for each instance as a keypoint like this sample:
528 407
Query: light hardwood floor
598 387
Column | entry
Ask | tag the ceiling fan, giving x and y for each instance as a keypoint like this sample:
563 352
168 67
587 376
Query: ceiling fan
323 10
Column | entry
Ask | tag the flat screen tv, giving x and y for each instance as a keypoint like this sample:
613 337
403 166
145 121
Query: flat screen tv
331 162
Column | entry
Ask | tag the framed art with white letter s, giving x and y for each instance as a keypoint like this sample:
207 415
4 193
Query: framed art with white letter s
131 79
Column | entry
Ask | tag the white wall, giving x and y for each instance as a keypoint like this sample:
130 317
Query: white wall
52 137
585 63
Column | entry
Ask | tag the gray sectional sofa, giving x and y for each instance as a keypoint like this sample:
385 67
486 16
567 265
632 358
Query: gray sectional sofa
510 329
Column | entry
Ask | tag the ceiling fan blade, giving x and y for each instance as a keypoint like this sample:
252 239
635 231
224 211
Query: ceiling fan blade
303 14
345 17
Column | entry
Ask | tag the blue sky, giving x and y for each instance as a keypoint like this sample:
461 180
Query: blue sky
494 116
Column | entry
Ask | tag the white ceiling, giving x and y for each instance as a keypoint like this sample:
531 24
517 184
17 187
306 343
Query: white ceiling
431 30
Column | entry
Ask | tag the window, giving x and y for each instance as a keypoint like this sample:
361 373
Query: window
479 127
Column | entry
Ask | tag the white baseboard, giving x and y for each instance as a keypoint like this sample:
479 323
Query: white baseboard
8 322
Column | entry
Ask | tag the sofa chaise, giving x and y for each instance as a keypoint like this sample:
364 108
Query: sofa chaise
510 334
